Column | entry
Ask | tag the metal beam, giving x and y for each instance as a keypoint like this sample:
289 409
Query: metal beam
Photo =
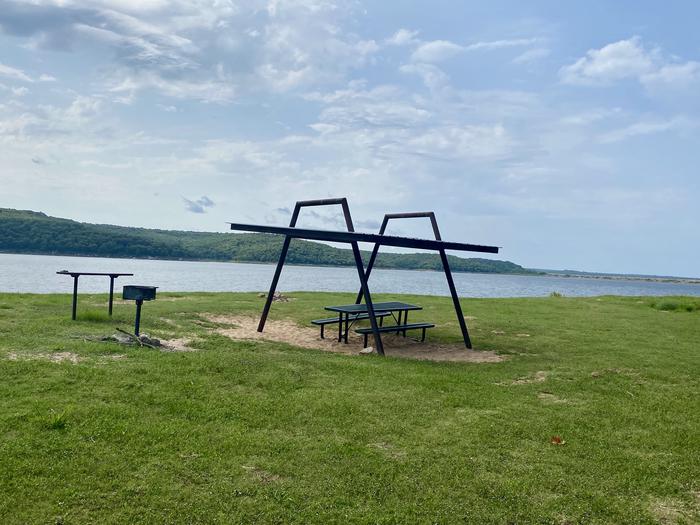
350 237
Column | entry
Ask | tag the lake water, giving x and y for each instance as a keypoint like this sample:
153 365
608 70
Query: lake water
37 274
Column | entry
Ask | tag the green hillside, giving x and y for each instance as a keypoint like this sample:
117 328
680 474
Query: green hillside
34 232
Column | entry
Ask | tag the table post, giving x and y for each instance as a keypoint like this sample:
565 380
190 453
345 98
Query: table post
340 326
347 327
75 295
405 321
111 293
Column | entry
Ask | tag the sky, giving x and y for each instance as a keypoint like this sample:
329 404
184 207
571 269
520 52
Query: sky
565 132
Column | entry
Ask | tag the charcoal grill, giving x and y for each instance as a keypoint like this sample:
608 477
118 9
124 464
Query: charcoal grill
139 294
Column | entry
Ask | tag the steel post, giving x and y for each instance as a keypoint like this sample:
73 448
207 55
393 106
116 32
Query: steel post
111 292
137 322
75 296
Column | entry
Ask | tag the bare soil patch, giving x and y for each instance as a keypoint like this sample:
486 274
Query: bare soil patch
548 397
287 331
538 377
180 344
260 474
55 357
669 511
389 449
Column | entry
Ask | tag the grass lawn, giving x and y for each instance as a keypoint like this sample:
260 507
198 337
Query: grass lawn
258 432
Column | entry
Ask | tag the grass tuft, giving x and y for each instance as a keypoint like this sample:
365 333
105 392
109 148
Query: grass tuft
94 316
56 420
674 305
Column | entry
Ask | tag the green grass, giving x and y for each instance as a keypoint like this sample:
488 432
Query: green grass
254 432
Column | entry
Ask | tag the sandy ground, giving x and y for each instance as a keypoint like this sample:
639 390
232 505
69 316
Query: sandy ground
286 331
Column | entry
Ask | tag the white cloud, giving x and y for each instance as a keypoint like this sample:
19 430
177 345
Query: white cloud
532 55
14 73
500 44
661 76
212 52
436 51
433 77
616 61
682 75
646 127
403 37
47 78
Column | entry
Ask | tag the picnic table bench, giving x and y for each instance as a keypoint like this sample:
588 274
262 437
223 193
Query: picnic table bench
398 329
76 275
356 317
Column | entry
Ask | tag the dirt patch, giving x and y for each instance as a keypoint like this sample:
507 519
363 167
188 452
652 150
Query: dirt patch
261 475
286 331
180 344
669 511
389 449
539 377
56 357
607 371
548 397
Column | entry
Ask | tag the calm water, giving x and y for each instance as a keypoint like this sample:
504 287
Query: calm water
37 273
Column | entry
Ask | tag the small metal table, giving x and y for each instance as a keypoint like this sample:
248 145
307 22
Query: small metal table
75 276
346 310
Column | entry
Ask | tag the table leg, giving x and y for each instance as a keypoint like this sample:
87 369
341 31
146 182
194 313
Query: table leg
340 326
398 323
75 296
111 293
405 321
347 327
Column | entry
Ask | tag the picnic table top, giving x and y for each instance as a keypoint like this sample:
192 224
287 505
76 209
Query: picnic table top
110 274
378 307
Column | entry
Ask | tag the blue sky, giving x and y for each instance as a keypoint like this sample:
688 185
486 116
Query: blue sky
565 132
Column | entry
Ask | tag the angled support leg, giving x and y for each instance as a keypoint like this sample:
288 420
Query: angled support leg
368 300
455 299
443 259
358 260
275 280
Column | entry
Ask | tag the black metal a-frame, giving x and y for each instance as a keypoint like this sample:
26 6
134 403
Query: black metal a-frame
443 257
364 290
351 237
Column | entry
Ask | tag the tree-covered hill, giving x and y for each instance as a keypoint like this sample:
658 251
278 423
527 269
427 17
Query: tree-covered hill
34 232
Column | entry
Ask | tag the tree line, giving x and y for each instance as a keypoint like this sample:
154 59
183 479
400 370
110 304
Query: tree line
37 233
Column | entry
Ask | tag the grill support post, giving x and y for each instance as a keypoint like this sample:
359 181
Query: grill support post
137 322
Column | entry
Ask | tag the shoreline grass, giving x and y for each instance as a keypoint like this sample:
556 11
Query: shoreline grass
257 432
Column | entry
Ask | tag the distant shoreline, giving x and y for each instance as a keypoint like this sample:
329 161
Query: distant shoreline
622 277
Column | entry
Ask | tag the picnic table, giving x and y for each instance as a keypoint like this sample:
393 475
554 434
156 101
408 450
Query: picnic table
76 275
346 311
